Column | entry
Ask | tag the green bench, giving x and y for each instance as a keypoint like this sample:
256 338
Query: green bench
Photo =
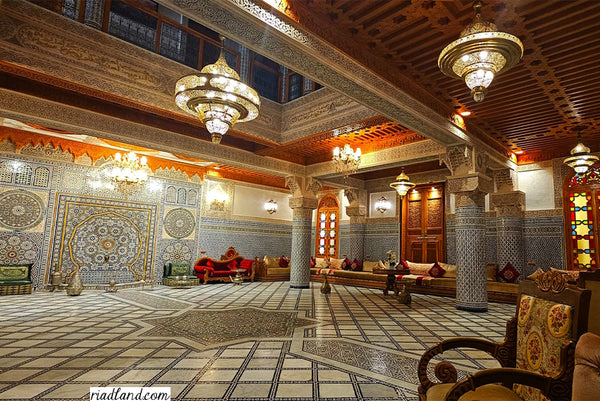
15 279
174 272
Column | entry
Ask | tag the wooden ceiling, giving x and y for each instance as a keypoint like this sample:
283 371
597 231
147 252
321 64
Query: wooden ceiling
532 110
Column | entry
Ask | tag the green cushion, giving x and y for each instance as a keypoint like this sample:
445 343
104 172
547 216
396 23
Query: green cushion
14 282
16 272
180 269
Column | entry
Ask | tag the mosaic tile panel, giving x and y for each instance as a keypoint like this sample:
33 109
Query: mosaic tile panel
179 223
250 238
356 242
104 238
491 240
20 210
21 248
510 243
471 291
224 326
344 240
451 241
544 242
177 252
380 238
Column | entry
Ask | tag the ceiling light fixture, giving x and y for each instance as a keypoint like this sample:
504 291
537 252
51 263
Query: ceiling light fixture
402 184
580 159
129 173
383 205
346 160
271 206
217 97
480 54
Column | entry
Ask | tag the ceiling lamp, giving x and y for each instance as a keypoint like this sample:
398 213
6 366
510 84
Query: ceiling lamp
580 159
480 54
402 184
271 206
217 97
129 172
346 160
383 205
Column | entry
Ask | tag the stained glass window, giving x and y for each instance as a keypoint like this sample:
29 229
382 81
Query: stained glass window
582 230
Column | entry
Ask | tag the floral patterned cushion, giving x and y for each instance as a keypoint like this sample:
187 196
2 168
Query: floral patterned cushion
543 329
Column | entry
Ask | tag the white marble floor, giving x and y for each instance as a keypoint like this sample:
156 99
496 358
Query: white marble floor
258 341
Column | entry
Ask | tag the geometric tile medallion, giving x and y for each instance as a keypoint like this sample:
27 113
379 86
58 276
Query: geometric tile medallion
224 326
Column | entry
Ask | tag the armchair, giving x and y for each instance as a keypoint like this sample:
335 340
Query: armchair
536 355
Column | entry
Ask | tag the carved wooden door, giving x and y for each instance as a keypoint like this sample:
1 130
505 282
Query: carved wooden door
423 234
328 216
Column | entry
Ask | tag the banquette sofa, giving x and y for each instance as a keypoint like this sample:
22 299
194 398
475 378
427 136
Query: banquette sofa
15 279
174 274
272 269
420 280
208 269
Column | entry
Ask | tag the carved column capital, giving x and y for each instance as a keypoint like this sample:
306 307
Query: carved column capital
303 186
508 204
463 159
470 189
504 180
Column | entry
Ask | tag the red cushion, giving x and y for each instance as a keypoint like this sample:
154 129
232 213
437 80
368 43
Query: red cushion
283 262
346 264
436 271
209 263
355 266
404 264
246 264
509 273
232 265
313 262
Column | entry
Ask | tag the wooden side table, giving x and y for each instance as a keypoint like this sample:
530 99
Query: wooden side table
391 277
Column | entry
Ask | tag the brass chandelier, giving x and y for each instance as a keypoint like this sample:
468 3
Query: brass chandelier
129 173
402 184
346 159
480 54
581 159
217 97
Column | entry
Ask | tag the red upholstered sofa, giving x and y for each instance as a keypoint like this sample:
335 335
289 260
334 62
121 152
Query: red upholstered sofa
208 269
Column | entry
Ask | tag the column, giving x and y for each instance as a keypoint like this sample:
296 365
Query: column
94 13
509 207
469 184
471 280
356 210
303 202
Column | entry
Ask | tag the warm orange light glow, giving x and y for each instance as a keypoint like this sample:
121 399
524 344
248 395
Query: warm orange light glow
465 113
519 152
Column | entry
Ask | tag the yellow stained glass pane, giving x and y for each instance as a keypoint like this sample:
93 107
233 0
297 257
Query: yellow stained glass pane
584 258
582 229
580 200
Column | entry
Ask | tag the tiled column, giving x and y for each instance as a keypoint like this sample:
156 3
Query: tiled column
301 240
509 229
302 202
94 13
356 210
471 289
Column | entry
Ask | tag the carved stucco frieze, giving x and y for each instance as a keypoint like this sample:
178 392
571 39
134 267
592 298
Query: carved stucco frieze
304 191
464 159
508 204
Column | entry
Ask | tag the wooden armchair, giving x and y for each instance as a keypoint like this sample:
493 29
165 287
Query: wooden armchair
536 355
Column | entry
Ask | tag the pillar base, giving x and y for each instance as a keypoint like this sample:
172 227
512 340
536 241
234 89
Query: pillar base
472 309
299 286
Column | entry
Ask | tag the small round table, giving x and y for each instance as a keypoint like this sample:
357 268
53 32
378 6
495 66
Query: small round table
391 277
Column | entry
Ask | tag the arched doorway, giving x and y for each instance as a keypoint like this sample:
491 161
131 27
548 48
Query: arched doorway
328 217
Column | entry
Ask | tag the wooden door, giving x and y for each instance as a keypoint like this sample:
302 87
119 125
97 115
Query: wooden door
423 237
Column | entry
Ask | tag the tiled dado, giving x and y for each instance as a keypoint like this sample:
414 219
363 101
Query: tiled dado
220 341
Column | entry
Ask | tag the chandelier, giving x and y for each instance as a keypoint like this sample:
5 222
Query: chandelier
346 160
402 184
217 97
580 159
383 205
480 54
271 206
129 172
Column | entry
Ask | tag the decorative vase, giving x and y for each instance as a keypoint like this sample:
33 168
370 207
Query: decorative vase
325 288
75 285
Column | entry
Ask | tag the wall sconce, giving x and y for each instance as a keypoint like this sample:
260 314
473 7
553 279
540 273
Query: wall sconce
217 199
383 205
271 206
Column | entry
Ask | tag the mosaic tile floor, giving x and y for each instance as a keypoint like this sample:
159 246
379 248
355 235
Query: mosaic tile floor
259 341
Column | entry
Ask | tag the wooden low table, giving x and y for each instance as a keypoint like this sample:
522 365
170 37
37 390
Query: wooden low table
391 279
